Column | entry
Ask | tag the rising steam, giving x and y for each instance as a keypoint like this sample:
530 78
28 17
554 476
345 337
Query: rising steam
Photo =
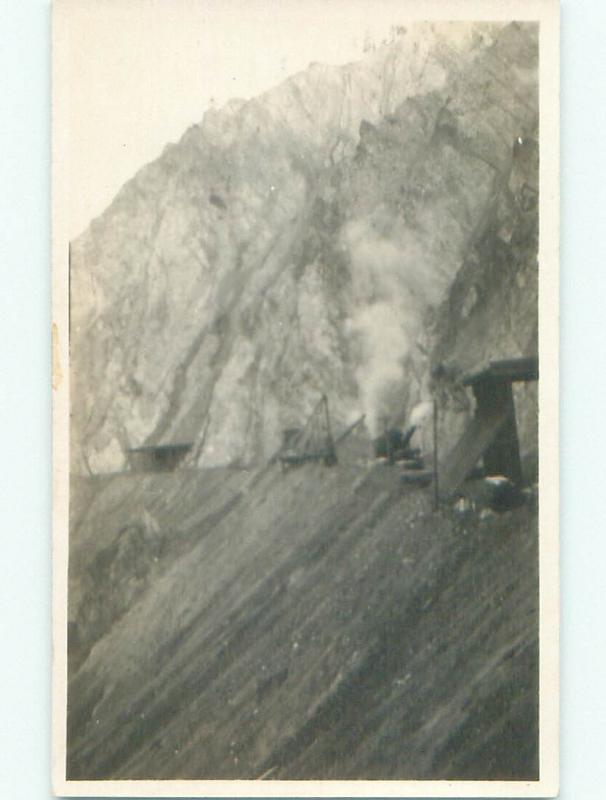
395 279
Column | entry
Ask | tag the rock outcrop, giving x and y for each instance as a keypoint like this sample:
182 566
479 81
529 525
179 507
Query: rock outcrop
343 233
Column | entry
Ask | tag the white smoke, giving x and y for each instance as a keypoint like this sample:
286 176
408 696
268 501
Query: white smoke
394 281
421 413
421 417
381 346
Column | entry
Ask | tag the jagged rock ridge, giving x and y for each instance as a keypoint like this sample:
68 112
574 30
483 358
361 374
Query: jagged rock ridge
307 241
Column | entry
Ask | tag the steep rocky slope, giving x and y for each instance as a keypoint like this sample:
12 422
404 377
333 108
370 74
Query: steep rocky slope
319 623
367 231
307 241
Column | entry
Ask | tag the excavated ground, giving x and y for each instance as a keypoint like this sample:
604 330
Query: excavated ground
319 623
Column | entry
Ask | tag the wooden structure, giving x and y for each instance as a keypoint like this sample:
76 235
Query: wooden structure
492 434
350 429
157 458
313 442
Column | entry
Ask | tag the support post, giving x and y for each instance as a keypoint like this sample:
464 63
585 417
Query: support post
436 486
331 457
388 443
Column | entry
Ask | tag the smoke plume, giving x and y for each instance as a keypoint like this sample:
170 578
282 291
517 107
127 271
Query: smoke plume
394 281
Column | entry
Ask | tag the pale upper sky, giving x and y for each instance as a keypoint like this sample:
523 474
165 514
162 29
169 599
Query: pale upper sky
142 71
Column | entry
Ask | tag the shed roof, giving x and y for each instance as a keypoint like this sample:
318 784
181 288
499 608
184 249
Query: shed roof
182 447
513 369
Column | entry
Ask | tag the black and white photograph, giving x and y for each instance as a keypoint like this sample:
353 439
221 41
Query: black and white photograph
305 373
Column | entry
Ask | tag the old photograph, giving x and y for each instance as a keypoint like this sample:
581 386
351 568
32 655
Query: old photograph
305 264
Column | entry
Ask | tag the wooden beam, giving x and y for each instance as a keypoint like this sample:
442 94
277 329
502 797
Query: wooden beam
513 369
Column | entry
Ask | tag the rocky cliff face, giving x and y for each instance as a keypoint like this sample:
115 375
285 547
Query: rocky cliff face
343 233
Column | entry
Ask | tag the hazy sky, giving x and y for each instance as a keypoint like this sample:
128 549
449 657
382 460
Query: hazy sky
142 71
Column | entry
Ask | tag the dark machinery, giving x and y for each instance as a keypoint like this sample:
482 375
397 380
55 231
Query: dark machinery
394 445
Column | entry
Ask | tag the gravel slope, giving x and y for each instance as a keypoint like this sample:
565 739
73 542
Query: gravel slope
319 623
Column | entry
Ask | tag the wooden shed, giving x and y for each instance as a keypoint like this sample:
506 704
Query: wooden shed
492 433
158 457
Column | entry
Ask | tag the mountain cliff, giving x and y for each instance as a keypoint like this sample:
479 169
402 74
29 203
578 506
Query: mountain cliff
369 232
347 232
